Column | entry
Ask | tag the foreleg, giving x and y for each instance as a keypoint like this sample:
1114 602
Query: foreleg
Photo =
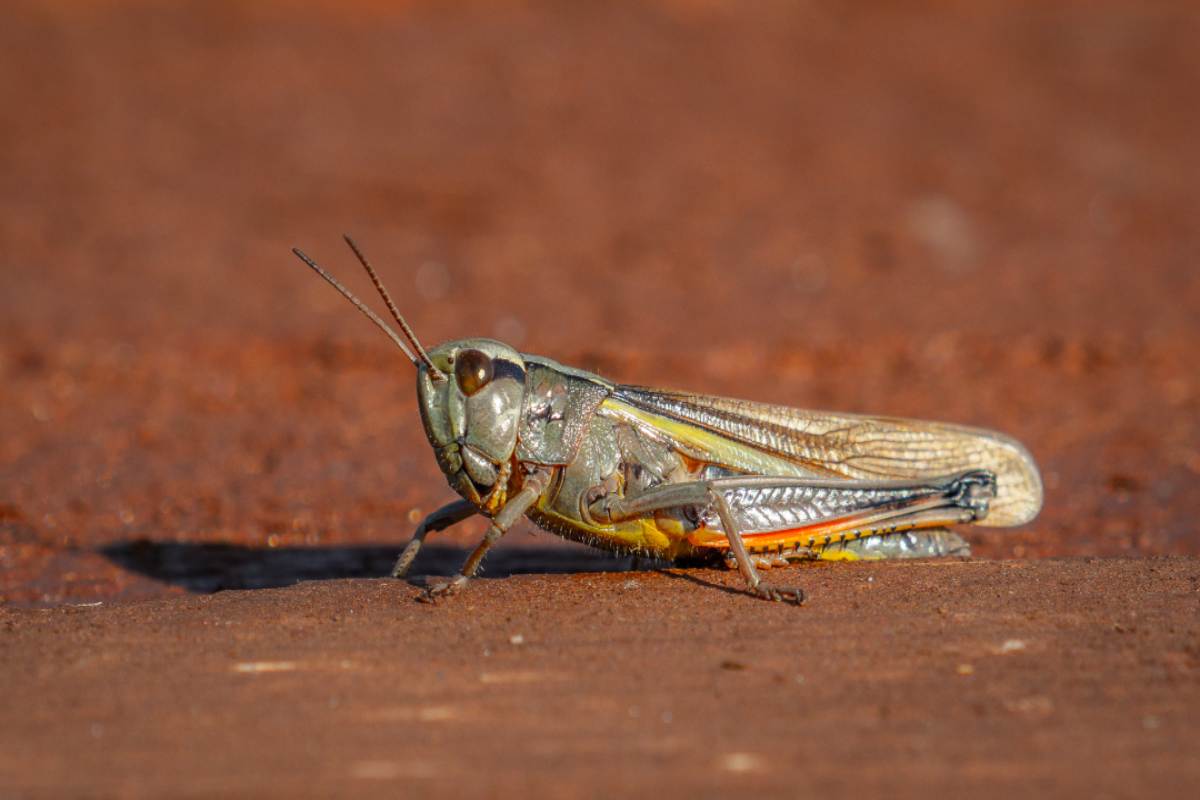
512 511
443 518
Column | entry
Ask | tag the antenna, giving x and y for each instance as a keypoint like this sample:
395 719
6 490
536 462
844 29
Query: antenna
371 315
387 299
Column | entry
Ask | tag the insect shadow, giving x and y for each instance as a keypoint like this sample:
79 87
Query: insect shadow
690 577
205 567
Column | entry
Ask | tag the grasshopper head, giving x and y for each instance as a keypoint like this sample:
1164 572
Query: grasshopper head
471 413
470 393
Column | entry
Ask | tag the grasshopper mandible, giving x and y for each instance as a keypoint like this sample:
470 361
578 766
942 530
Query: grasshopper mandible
688 478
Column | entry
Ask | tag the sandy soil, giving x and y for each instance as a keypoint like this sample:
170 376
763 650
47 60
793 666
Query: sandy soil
982 214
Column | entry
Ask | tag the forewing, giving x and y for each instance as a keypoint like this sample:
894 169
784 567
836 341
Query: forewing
820 443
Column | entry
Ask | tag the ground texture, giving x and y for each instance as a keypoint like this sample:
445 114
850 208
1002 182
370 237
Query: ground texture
960 679
984 214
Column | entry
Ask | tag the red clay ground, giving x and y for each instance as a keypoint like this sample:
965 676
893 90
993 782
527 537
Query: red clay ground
983 214
976 679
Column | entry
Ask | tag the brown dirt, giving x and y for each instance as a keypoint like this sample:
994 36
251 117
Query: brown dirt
957 679
982 213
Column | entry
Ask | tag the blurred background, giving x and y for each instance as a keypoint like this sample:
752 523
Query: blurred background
983 213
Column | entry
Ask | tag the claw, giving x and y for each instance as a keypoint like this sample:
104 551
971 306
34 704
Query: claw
436 591
769 592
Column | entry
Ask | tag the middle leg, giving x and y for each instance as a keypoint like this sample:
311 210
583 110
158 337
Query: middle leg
754 584
704 496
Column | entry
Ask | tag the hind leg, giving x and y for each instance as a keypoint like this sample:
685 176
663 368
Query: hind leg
807 516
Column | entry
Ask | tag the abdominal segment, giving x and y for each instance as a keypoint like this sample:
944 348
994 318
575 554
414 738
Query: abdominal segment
913 543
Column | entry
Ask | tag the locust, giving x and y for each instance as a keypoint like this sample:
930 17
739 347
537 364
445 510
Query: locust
687 478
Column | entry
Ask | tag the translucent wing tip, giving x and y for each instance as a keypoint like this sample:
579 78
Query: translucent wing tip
1019 492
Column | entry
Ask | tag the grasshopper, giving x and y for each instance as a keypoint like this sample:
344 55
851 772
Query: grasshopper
688 478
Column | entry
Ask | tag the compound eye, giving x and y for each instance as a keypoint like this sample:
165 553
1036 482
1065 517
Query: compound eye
473 370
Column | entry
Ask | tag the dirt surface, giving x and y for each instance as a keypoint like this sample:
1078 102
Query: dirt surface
983 213
955 679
